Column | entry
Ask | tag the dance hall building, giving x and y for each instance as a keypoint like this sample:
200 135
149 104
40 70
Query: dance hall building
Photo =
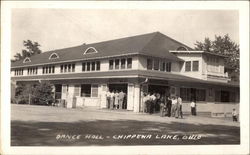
151 62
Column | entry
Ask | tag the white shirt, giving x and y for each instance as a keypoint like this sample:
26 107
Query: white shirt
153 97
174 101
179 100
192 104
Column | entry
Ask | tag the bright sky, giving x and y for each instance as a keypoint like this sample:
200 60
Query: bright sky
60 28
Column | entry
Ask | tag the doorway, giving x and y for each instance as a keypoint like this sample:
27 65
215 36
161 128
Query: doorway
120 87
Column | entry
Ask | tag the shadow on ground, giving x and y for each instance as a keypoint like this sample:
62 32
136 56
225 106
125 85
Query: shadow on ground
45 133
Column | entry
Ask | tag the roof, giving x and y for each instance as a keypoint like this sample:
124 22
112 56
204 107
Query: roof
126 73
151 44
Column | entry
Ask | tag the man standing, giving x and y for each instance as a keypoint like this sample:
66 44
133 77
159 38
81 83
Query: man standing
193 108
169 105
179 100
173 107
108 99
121 99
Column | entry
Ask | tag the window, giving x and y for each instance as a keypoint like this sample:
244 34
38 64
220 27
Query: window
117 63
88 66
94 90
185 94
26 60
73 67
53 69
65 68
49 69
98 65
200 94
225 96
46 69
161 66
18 72
61 68
69 67
168 66
156 64
111 64
149 64
123 61
43 70
54 56
90 50
85 90
129 63
188 66
83 66
195 65
93 66
77 90
182 48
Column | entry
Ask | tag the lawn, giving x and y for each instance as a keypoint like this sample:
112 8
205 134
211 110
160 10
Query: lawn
51 126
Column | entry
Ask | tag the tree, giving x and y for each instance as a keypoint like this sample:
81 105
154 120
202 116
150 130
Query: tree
222 45
32 48
39 93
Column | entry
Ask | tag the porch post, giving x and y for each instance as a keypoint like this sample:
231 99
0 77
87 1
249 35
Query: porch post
137 98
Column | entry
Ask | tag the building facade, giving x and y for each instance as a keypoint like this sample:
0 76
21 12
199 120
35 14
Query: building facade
152 62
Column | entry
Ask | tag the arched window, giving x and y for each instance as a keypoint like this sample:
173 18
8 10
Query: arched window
182 48
54 56
27 59
90 50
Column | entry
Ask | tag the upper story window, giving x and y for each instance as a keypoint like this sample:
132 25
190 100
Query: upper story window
149 64
27 59
54 56
67 68
90 50
32 71
120 63
188 66
49 69
91 66
158 64
195 65
18 72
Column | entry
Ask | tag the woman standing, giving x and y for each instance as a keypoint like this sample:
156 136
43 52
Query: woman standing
162 106
116 99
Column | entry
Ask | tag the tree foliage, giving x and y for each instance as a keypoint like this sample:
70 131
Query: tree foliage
222 45
40 93
31 48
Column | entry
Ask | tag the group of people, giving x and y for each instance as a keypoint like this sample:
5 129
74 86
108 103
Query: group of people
115 99
168 106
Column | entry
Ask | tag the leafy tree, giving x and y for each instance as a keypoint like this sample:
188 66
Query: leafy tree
40 93
222 45
32 48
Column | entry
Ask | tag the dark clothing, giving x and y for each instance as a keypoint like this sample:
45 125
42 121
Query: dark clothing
235 119
193 111
180 110
169 105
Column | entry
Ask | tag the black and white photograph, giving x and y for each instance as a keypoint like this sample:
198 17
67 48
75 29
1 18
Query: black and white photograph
90 75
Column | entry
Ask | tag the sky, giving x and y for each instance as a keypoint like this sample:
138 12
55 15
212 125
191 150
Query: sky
61 28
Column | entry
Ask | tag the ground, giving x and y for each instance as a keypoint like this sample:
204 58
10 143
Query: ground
53 126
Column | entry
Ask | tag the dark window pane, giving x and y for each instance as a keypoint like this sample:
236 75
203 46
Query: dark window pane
149 64
61 68
123 61
83 66
65 68
93 66
73 67
129 63
117 62
53 69
85 90
98 65
111 64
69 67
188 66
88 66
195 65
156 64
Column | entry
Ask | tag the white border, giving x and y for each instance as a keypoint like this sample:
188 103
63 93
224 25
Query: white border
242 6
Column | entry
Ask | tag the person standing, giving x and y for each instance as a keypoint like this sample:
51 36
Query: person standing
193 108
121 99
173 107
234 114
116 99
162 106
108 99
153 102
177 108
179 100
169 105
112 95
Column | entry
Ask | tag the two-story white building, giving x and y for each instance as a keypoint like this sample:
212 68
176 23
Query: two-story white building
83 74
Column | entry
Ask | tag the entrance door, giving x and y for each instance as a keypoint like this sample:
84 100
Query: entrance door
119 88
58 91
